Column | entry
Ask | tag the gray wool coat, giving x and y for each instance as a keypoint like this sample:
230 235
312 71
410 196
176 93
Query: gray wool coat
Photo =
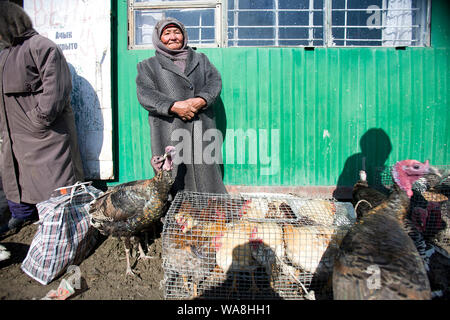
39 150
160 83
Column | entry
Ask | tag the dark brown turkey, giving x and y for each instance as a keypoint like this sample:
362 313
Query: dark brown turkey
127 209
377 258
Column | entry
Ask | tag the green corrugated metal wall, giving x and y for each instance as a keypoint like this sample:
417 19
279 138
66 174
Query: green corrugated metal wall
322 102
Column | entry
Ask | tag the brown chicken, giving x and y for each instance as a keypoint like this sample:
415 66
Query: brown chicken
192 268
197 227
278 209
193 238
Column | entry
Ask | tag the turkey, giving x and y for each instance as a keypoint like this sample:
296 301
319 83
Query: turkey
430 208
427 215
365 198
127 209
433 181
430 223
377 259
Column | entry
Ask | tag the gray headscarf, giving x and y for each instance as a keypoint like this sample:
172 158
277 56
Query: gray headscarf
177 56
14 23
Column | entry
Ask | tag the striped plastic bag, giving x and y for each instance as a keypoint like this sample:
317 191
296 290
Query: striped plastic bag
64 236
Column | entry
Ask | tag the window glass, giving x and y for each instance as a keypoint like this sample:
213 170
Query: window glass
378 23
275 23
252 4
199 24
289 22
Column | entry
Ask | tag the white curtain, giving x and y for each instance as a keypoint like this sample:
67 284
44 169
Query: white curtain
146 22
398 23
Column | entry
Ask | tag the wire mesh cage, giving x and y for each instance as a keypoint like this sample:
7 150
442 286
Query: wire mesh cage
430 205
251 246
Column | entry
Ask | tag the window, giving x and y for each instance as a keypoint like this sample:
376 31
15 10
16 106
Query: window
284 23
201 19
275 23
379 23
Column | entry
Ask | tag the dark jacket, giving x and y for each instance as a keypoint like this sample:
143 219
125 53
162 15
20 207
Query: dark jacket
39 150
160 83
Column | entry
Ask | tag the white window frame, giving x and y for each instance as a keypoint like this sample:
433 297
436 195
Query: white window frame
221 27
204 4
329 40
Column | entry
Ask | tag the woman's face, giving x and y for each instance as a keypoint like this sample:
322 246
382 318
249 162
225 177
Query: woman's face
172 38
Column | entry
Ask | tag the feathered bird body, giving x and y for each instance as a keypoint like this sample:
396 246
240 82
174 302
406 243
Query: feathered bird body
431 214
306 245
267 245
365 198
233 248
377 258
131 207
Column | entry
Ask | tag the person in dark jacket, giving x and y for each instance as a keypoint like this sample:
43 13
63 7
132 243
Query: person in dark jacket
178 86
39 149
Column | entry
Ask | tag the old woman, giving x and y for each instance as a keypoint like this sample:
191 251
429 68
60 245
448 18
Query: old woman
178 86
39 149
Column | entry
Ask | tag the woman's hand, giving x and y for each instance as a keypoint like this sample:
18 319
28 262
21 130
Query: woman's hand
187 109
184 110
196 102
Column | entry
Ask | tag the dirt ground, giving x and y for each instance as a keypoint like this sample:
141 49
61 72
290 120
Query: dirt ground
102 273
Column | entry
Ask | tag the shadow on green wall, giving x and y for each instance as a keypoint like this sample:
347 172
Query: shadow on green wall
375 149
